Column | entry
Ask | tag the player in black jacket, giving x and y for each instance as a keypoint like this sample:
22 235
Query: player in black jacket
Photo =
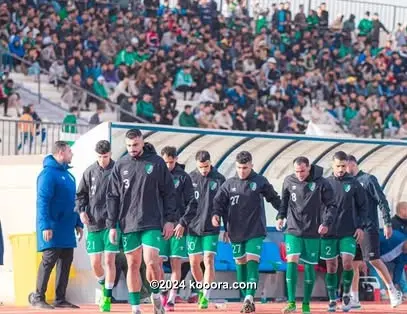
351 201
202 236
175 249
91 207
240 202
369 250
141 199
308 205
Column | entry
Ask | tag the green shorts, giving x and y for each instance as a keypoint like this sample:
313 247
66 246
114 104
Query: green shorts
149 238
98 242
174 248
202 244
250 247
306 248
331 248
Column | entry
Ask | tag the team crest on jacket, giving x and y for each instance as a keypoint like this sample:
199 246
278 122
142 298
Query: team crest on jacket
312 186
149 168
253 186
213 185
346 187
176 183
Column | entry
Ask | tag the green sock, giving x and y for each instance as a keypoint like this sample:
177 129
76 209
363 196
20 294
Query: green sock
155 291
331 282
309 280
347 276
108 293
241 275
252 277
134 298
101 282
291 279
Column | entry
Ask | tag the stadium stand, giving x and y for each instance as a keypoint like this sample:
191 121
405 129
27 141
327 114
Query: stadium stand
280 71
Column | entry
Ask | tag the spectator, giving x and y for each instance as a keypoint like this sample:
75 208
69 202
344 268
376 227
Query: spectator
184 82
69 126
223 119
95 119
146 110
56 225
26 129
187 118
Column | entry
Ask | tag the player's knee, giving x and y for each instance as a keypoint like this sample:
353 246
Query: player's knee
347 265
110 261
241 261
331 266
376 263
209 261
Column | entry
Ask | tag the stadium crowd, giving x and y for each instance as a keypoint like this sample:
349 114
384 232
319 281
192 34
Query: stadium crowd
275 71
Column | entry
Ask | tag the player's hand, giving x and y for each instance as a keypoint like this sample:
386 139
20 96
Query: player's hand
359 235
84 218
79 233
322 229
388 231
280 224
179 231
168 230
226 238
113 236
216 221
47 235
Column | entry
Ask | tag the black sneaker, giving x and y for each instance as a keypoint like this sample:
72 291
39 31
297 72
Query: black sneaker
65 304
42 305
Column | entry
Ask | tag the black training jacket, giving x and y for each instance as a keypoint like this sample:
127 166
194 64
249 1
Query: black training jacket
240 203
185 197
205 190
91 195
351 201
307 204
374 198
141 194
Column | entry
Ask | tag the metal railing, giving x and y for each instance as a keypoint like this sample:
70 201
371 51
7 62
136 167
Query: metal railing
33 138
108 103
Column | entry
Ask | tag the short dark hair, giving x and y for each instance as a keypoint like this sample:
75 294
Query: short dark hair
341 156
59 146
301 160
352 158
202 156
133 133
103 147
244 157
170 151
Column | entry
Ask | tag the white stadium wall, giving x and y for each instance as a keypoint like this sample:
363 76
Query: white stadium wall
272 153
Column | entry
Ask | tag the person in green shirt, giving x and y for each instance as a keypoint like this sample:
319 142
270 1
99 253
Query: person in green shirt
187 119
365 25
350 113
69 127
145 109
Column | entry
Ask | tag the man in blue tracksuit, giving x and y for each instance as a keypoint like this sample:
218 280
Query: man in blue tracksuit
394 251
56 225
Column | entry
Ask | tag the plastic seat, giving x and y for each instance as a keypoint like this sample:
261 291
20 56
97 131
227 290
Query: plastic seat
270 260
224 258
